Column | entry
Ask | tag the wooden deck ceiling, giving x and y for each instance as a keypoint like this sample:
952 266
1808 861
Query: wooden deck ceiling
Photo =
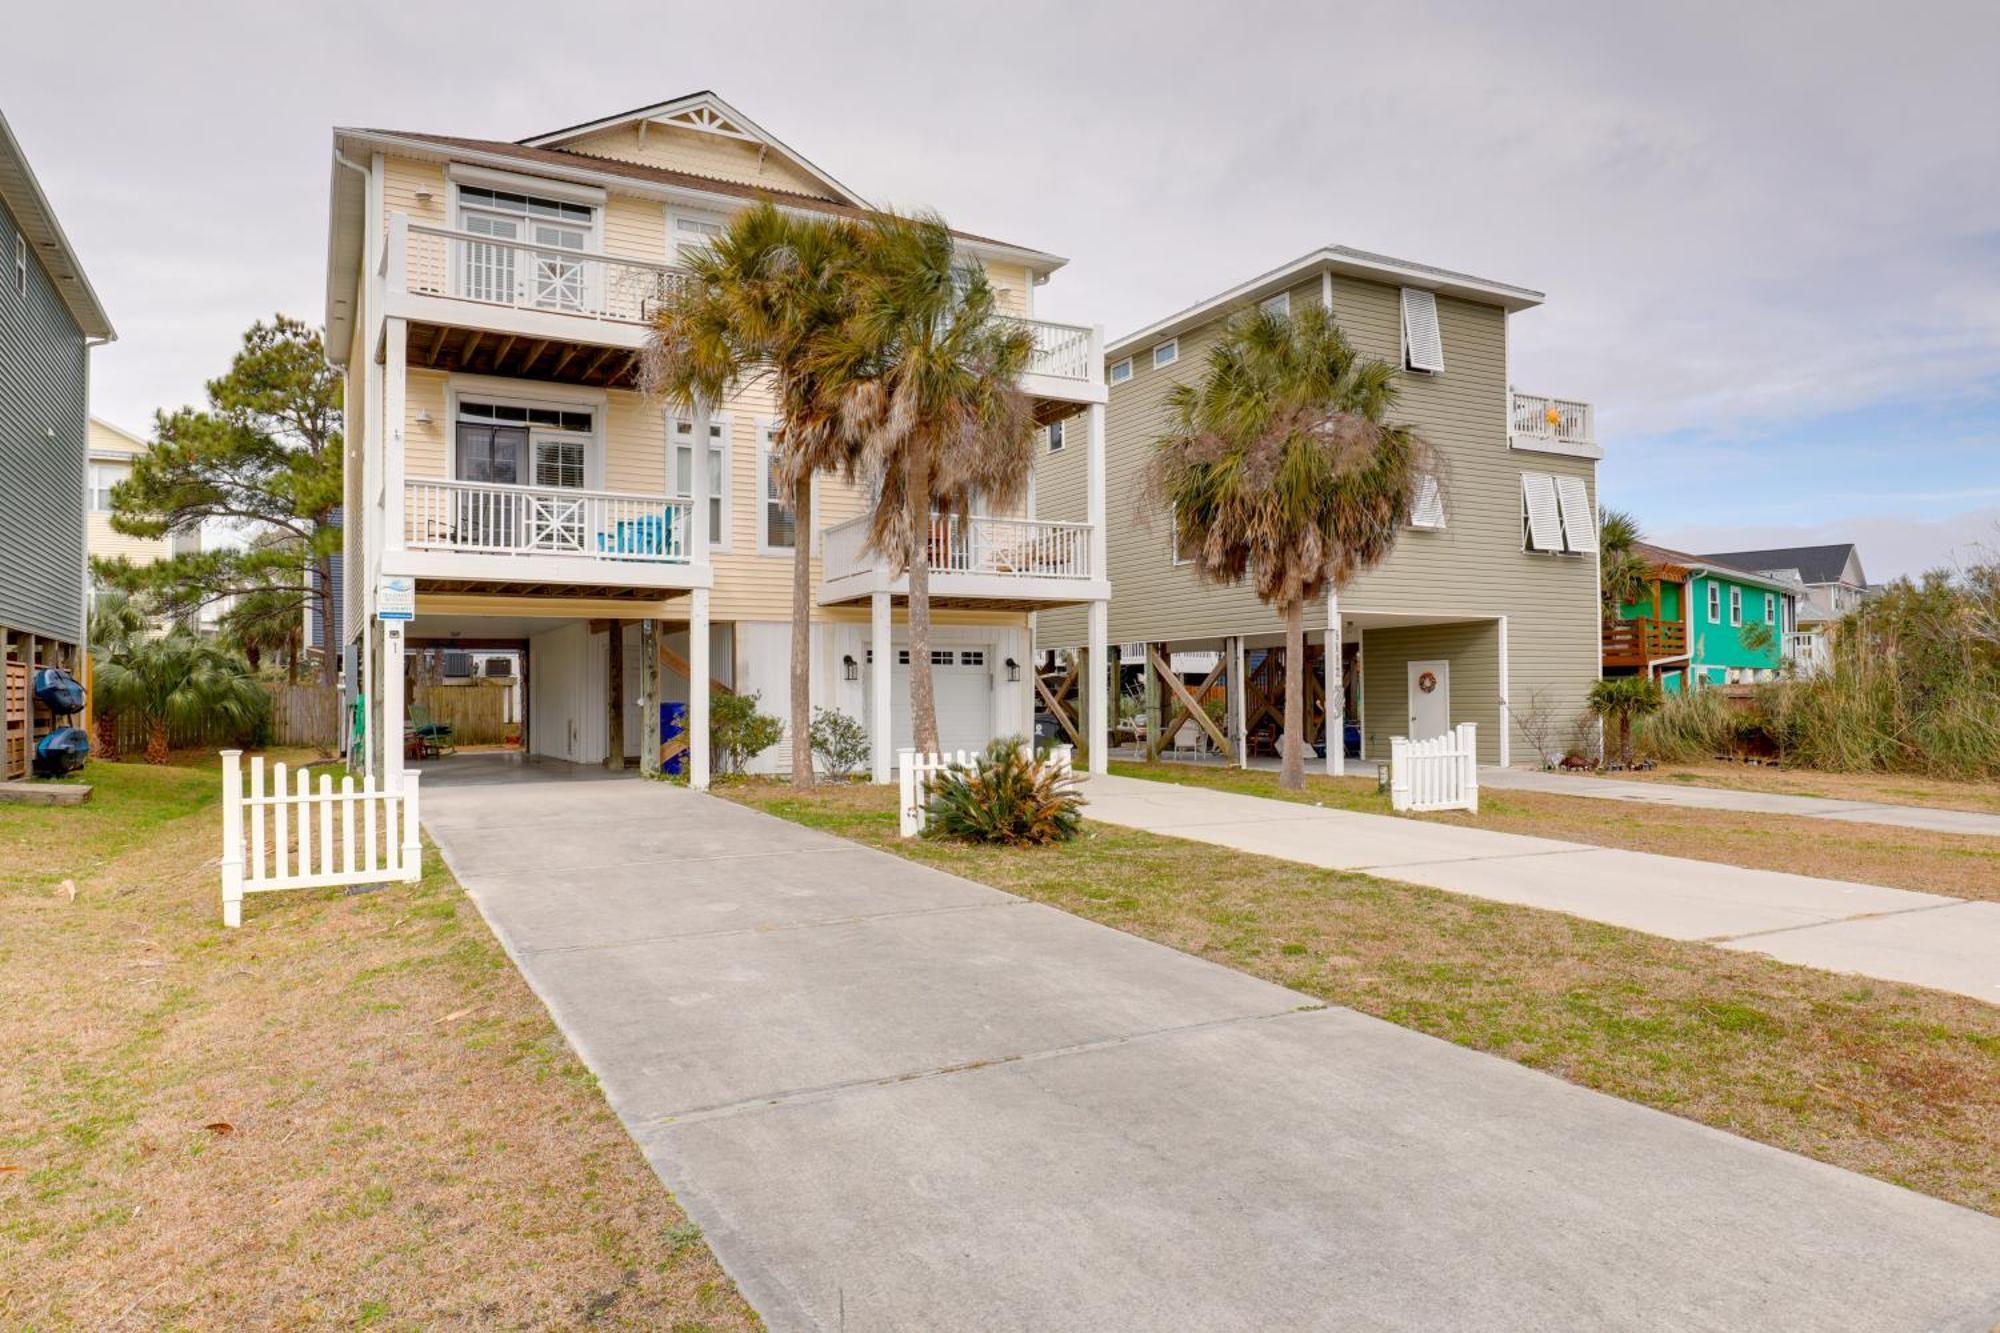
555 360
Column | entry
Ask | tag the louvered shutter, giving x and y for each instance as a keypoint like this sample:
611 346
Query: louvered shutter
1538 498
1579 524
1423 345
1427 510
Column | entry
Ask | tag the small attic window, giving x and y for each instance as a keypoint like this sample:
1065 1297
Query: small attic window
1280 305
1121 371
1166 353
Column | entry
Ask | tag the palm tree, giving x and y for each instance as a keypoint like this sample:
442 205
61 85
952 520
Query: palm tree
1620 699
1280 467
180 680
931 392
117 621
1621 570
758 305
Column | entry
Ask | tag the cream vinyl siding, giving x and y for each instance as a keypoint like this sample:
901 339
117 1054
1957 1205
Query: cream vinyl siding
1474 568
111 448
702 154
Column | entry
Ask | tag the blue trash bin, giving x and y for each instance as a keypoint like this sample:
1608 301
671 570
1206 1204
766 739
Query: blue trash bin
673 725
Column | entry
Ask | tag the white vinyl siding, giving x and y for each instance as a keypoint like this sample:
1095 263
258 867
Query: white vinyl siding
1423 342
1166 353
1542 519
1427 510
1579 523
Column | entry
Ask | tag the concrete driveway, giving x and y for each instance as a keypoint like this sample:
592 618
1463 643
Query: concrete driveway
894 1099
1926 939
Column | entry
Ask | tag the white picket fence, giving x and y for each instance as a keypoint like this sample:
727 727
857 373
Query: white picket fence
290 840
916 773
1441 773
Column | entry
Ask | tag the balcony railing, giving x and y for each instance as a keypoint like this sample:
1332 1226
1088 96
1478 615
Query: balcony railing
521 275
1637 642
1808 652
1006 547
1062 351
1560 419
493 519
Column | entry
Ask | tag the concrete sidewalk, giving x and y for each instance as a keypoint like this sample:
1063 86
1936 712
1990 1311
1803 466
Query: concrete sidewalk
894 1099
1757 802
1894 934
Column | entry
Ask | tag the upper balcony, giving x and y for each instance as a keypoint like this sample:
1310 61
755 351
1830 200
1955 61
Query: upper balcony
1551 425
494 534
996 563
494 306
1644 639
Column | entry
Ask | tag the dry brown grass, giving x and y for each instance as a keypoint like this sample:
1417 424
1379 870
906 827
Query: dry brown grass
351 1112
1887 788
1893 1081
1965 865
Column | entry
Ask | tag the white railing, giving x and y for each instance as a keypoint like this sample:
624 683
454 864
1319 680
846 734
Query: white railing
1008 547
917 774
1561 419
1808 652
1062 351
1441 773
493 518
466 266
303 839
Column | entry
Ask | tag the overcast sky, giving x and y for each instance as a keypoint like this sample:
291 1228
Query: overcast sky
1769 233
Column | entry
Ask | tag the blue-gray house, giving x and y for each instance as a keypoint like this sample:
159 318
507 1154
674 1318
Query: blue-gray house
49 320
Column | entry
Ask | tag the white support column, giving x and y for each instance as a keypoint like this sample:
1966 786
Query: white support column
367 670
1239 720
698 671
395 378
1506 707
1094 493
232 838
1335 689
881 722
390 679
1099 733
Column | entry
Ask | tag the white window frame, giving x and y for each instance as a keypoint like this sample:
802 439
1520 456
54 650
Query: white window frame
1423 333
20 264
549 397
99 469
1714 602
1120 371
710 216
1770 608
1166 353
1280 304
765 428
1175 559
1055 436
1427 508
1735 607
719 533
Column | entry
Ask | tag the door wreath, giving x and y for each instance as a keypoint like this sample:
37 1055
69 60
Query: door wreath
1427 681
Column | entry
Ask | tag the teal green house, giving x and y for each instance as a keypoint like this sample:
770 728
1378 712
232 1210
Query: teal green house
1702 623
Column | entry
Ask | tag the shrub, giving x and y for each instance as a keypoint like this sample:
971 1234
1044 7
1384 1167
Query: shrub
1688 727
839 742
737 732
1007 795
1619 701
182 681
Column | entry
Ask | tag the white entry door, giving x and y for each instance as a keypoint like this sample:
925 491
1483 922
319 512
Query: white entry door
963 682
1430 699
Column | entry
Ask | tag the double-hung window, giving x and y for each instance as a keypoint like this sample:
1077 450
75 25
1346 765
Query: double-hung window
1770 609
103 476
1714 603
777 524
1736 606
692 234
681 431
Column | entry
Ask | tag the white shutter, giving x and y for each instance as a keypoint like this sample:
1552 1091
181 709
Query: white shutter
1423 345
1538 497
1579 524
1427 510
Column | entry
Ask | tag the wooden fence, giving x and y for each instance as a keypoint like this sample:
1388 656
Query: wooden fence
290 842
305 714
477 714
1441 773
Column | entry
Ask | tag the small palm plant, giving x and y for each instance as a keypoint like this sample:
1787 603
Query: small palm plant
1006 795
1280 467
117 621
181 680
1621 699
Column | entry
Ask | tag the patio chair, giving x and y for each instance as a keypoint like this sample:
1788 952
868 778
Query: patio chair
651 535
433 737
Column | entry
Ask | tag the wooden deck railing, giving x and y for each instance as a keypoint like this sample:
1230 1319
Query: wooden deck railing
1637 642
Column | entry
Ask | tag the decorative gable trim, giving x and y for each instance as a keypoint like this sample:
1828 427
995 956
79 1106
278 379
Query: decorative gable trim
703 113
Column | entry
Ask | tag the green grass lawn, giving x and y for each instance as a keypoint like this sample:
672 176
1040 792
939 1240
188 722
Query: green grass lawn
351 1112
1893 1081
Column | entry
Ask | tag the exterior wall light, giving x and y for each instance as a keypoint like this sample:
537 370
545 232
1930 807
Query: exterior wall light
850 668
1013 671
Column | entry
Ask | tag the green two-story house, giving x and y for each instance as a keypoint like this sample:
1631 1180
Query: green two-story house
1701 622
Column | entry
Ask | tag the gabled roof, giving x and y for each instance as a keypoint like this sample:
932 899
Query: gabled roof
139 443
1342 259
1815 564
708 114
1666 562
36 218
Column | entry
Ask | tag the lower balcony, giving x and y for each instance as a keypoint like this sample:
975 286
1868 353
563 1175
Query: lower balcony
1634 643
980 561
549 536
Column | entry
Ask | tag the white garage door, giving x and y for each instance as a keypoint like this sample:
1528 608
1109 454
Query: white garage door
963 678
